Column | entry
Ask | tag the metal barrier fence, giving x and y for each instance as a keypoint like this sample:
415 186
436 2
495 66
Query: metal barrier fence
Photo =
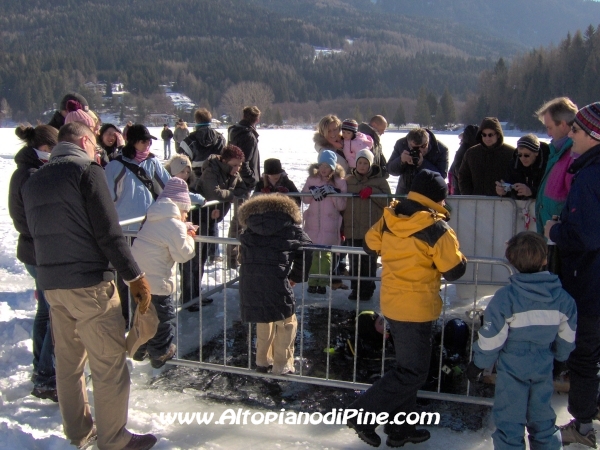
471 218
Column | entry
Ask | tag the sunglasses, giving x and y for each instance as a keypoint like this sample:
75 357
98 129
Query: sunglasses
523 155
485 135
420 147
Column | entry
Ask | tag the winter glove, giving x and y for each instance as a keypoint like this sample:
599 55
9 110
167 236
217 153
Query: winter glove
317 193
140 291
266 190
474 373
283 189
329 189
366 192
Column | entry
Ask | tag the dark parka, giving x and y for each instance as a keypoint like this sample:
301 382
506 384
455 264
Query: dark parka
74 223
577 236
270 257
200 144
216 183
482 166
469 139
244 136
435 159
27 164
530 176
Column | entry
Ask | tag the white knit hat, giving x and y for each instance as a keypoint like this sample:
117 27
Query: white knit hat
367 154
177 190
178 163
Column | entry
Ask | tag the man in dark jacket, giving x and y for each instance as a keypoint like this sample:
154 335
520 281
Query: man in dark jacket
577 236
243 135
272 263
76 235
375 128
485 163
202 142
418 150
58 119
166 135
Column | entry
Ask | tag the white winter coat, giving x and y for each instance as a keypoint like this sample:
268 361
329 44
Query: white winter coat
162 242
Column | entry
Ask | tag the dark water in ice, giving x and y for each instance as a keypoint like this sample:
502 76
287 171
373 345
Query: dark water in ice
260 392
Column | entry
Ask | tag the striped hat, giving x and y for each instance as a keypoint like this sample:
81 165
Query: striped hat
177 191
350 125
588 118
530 142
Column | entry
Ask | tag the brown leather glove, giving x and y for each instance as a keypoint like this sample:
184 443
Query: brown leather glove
140 291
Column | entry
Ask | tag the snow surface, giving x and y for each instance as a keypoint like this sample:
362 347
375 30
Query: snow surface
29 423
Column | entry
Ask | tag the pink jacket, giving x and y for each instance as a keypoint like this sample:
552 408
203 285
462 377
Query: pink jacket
351 148
323 220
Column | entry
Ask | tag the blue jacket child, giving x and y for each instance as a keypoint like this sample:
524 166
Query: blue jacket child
528 324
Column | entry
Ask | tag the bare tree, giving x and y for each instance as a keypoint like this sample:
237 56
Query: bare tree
247 93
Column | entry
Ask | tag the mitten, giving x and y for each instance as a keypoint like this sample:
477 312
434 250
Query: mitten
329 189
266 190
317 193
474 373
283 189
140 291
365 192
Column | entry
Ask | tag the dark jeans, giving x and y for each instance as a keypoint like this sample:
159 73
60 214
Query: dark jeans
397 390
584 365
165 333
43 347
193 270
368 268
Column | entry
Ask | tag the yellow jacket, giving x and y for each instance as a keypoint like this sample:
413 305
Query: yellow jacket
416 246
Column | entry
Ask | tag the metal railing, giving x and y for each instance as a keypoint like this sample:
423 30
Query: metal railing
477 216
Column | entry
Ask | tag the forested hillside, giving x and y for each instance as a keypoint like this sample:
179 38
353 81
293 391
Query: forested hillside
532 23
206 46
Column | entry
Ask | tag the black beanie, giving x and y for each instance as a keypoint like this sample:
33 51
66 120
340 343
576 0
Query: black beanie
273 166
430 184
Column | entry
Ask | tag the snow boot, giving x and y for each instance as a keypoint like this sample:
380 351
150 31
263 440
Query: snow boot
366 435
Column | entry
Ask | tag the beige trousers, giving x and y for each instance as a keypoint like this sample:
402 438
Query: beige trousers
87 323
275 344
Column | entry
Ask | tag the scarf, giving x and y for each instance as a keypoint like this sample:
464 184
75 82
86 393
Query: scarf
141 156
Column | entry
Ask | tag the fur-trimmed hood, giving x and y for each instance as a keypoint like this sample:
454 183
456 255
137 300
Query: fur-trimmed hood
321 142
265 214
313 171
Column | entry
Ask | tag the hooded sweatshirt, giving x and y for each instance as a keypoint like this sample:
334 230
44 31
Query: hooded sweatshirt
482 166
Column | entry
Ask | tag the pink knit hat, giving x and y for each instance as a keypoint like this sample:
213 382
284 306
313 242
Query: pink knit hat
177 190
80 116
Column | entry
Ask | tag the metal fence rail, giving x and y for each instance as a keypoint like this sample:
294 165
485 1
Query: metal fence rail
474 219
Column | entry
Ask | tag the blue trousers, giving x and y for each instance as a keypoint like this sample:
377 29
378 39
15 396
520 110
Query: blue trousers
165 333
43 347
523 394
397 390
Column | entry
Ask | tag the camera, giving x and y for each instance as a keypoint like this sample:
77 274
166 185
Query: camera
415 154
508 187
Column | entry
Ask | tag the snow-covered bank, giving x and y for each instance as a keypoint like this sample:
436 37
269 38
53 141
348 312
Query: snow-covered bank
29 423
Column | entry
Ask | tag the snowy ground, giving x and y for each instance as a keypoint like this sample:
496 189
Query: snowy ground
29 423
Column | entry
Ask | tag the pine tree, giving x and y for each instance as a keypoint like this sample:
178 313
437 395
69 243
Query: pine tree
422 114
447 106
278 120
399 117
357 114
384 112
439 119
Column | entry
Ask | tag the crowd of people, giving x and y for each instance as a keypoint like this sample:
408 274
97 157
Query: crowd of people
72 244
